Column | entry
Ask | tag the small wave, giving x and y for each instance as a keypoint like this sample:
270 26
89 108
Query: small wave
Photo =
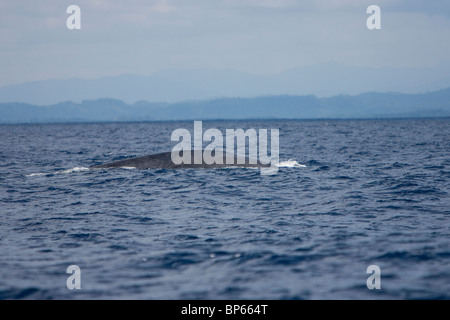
36 174
290 164
239 167
76 169
281 164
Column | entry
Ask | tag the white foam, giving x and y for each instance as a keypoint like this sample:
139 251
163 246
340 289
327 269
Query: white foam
290 164
36 174
281 164
239 167
76 169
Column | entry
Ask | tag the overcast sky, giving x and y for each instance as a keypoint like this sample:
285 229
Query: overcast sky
253 36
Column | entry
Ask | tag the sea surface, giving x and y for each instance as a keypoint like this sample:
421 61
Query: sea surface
370 193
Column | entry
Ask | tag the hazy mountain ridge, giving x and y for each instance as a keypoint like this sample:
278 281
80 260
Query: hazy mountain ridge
367 106
322 80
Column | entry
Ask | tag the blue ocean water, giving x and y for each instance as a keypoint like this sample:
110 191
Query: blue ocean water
372 193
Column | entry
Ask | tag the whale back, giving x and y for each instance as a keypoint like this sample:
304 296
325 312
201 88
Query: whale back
164 161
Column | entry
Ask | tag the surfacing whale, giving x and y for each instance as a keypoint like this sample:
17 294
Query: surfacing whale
164 161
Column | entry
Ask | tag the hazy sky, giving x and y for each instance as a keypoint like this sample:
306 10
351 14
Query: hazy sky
254 36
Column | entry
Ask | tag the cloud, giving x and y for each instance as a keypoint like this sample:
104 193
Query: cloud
118 6
256 36
431 8
271 3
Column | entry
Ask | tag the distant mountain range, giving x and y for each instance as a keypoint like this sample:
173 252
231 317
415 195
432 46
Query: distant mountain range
367 106
323 80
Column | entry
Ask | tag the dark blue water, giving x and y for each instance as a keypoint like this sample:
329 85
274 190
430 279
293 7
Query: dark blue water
372 192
